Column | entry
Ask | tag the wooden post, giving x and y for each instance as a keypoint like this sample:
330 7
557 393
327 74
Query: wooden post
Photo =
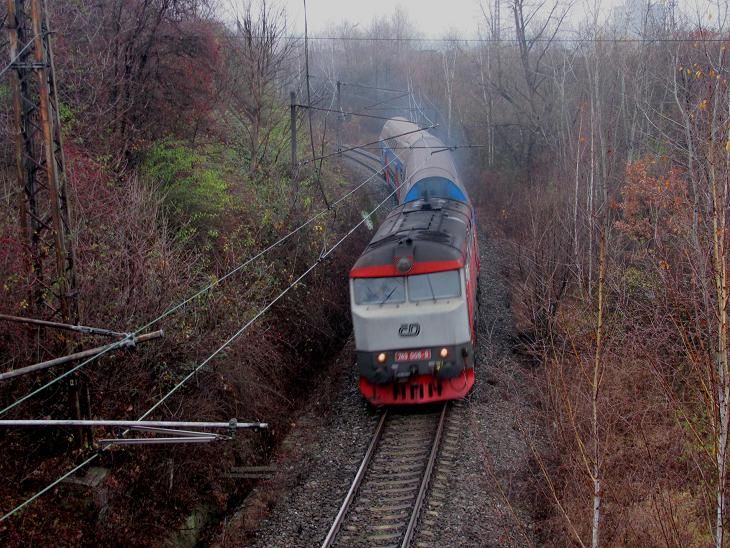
51 173
338 127
293 123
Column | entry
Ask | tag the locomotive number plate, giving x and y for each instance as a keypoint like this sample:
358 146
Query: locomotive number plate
412 355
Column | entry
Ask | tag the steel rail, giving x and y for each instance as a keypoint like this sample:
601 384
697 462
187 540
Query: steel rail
411 529
330 538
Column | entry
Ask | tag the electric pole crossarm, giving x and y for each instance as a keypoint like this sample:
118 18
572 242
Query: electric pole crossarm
106 442
124 343
56 325
170 428
162 426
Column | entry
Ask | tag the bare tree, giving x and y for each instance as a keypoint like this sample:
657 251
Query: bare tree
260 53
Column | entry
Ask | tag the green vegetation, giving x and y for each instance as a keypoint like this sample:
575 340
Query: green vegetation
192 185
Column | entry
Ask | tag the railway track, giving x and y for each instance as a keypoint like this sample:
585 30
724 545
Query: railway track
365 159
384 502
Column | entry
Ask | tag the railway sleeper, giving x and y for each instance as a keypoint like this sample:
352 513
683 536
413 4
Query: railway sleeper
385 513
408 444
389 482
401 440
400 498
387 527
384 537
391 508
395 457
404 453
394 474
384 493
406 465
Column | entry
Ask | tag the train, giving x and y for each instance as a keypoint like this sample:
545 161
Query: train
413 290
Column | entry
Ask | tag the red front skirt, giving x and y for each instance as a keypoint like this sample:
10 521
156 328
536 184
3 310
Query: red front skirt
418 389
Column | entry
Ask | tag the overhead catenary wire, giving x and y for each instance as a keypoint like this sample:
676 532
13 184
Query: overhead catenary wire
402 94
49 486
364 86
439 148
388 100
408 109
510 40
368 144
373 106
346 113
130 336
232 338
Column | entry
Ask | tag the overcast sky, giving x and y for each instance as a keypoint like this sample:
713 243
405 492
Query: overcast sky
432 18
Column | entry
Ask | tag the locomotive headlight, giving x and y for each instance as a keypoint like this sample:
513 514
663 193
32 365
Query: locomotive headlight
444 352
382 357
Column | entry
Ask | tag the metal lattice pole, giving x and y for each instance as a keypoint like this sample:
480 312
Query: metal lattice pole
40 167
44 210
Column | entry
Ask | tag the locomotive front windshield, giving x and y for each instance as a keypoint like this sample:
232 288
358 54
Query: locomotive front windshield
420 287
437 285
380 290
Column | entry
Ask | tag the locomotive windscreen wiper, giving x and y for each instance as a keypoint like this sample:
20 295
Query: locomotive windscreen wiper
389 295
430 286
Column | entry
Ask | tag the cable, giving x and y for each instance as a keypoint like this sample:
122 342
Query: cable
364 86
48 487
409 109
439 148
511 40
365 145
345 113
402 93
215 353
172 310
370 107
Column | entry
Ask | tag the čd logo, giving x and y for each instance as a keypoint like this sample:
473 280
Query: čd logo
409 330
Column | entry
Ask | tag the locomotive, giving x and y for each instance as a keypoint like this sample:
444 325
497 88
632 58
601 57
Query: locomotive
413 289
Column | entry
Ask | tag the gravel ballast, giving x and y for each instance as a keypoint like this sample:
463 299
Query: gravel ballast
489 496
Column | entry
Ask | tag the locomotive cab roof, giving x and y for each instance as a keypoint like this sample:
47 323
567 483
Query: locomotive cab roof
431 235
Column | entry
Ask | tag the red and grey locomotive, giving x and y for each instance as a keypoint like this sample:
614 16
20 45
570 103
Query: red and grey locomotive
413 289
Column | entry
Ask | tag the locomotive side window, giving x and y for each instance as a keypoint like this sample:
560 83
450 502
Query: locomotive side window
379 290
439 285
